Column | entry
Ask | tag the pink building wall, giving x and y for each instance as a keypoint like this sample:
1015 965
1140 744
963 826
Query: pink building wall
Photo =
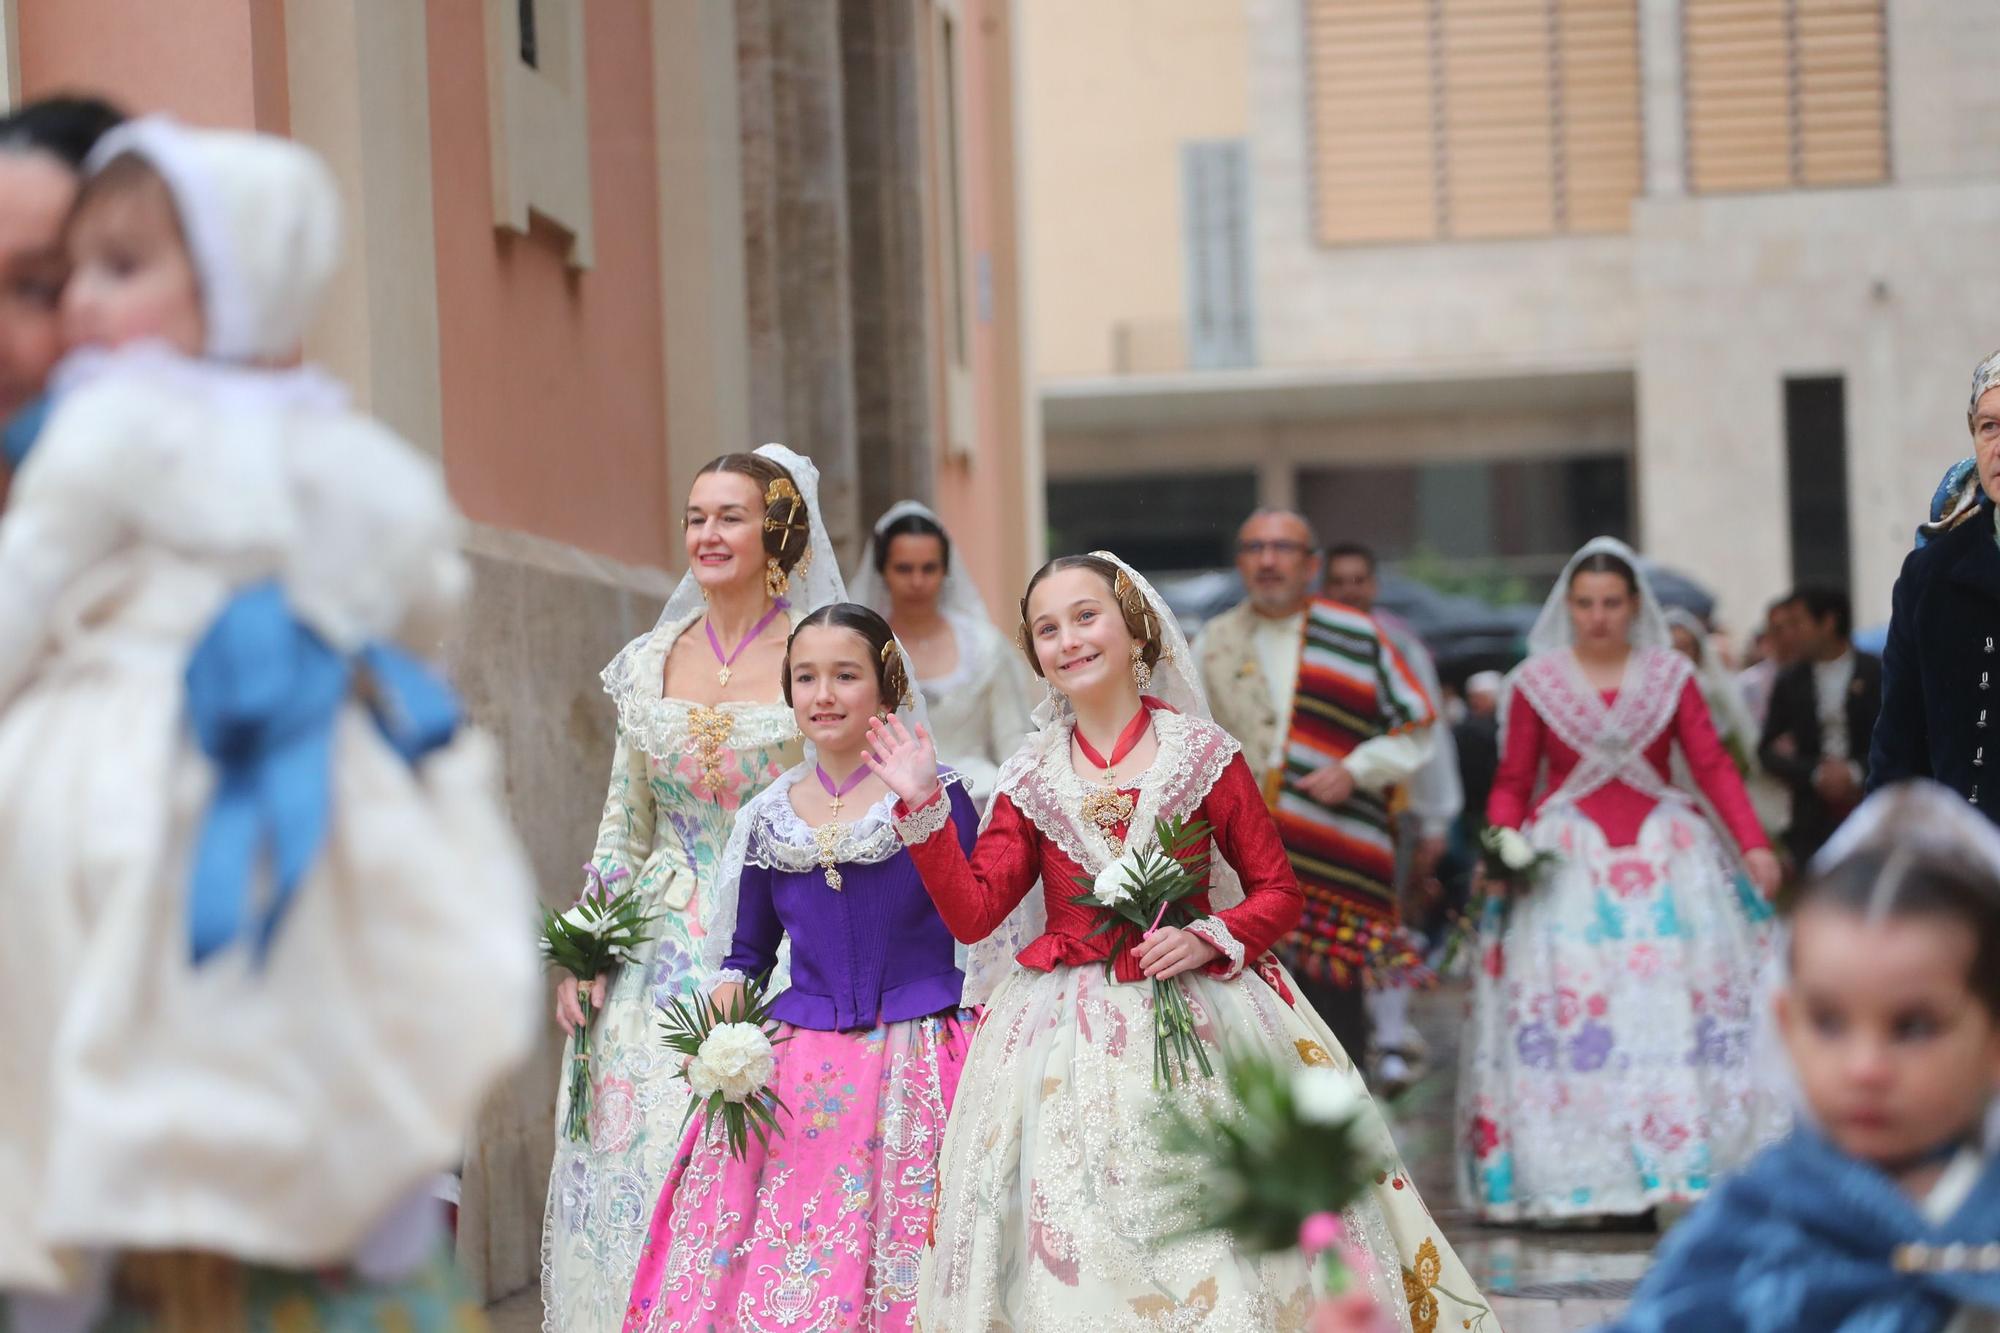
554 406
211 62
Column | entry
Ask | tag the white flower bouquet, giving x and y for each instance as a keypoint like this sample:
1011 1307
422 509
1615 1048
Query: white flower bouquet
1274 1164
728 1058
1140 890
1508 857
603 930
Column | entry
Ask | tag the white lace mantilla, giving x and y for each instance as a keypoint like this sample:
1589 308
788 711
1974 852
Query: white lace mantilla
667 728
1612 741
780 840
1191 756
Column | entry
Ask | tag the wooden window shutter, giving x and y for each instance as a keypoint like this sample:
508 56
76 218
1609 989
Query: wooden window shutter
1461 119
1373 118
1785 93
1602 134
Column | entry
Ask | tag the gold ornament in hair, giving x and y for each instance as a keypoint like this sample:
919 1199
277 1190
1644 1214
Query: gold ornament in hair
794 521
1133 603
895 678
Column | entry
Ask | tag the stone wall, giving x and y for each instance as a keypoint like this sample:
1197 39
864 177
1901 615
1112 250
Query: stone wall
541 623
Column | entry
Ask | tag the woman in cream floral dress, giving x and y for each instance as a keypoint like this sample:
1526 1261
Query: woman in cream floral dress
701 730
1058 1209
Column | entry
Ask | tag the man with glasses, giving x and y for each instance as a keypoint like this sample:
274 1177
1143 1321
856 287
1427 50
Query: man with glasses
1331 718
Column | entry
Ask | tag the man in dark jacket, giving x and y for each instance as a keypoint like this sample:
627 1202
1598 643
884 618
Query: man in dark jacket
1821 723
1941 670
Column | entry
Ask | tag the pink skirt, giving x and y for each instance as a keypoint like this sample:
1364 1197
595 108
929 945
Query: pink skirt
825 1230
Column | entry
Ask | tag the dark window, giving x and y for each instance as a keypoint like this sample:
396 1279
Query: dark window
1506 526
530 44
1156 523
1215 225
1816 478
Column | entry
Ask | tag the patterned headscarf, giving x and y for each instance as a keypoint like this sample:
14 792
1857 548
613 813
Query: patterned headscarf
1985 376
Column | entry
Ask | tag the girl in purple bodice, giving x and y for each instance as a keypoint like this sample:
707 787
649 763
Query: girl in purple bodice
823 1227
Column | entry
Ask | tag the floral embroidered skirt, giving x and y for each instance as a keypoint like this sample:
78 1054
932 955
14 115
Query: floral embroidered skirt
1059 1213
1613 1059
822 1232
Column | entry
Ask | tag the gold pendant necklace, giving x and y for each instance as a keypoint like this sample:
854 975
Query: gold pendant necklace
1108 808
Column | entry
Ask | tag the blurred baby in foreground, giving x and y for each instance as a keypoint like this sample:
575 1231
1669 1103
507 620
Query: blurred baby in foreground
265 945
1881 1212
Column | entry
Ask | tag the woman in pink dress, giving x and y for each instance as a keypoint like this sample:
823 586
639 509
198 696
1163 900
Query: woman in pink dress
1609 1067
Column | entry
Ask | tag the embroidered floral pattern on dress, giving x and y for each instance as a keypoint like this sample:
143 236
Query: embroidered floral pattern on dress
823 1230
1618 993
1050 1217
664 826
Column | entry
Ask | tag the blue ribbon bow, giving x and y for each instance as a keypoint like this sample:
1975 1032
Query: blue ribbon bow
264 693
22 430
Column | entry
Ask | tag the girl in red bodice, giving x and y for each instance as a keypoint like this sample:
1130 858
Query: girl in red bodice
1056 1208
1609 1066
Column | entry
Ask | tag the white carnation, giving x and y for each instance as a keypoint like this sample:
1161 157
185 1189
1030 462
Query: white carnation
738 1057
1515 851
1116 883
1324 1096
701 1079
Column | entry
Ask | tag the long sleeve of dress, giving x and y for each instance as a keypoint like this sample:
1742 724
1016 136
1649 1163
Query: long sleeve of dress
1714 771
1901 744
1248 840
1520 763
975 893
625 833
758 929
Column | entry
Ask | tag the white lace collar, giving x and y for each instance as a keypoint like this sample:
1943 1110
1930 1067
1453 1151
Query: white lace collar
781 840
1189 760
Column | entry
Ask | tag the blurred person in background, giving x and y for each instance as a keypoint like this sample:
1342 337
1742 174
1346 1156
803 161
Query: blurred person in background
1733 724
1605 1071
1776 648
1941 667
1821 721
970 676
1330 719
42 150
1431 802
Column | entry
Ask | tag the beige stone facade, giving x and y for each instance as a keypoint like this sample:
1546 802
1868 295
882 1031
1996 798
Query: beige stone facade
1437 371
694 226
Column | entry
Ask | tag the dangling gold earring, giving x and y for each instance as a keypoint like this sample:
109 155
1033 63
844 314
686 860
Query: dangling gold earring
776 581
1142 675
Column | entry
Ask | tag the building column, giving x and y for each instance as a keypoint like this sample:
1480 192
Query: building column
882 93
699 136
359 93
797 249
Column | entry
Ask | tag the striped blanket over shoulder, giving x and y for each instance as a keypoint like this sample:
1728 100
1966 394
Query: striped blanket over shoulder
1353 686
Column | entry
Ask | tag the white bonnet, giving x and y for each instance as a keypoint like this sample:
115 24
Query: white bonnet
261 216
